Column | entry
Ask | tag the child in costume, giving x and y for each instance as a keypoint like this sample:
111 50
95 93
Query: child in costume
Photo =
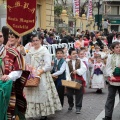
97 77
113 72
75 68
59 72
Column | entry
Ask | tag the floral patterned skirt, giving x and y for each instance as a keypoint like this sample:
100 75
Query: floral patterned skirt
42 100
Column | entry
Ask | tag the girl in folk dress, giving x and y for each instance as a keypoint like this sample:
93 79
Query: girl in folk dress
42 100
97 75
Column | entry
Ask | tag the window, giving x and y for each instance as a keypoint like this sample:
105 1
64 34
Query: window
115 10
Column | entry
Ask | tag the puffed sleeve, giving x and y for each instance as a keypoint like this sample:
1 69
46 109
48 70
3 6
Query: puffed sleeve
108 67
47 60
82 69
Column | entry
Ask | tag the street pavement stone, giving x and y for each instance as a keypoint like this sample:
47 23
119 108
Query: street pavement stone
116 113
93 104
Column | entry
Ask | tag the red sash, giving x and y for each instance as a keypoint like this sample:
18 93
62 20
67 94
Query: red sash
77 77
117 79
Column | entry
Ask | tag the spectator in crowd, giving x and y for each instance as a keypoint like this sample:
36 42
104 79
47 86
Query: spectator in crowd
78 32
105 27
63 34
51 39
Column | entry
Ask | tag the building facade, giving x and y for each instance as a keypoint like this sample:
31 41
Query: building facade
112 13
44 14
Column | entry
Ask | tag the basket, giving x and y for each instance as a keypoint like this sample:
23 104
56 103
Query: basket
71 84
32 82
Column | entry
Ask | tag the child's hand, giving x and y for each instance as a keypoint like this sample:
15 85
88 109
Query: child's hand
52 63
112 78
74 72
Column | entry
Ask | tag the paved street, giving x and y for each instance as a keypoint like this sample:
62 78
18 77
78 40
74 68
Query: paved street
116 115
93 105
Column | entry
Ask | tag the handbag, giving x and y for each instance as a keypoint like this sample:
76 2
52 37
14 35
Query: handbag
32 80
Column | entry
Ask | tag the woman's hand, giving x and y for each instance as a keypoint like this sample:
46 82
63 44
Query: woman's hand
5 78
22 50
40 72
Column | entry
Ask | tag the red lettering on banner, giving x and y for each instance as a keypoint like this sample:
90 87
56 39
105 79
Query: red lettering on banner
76 6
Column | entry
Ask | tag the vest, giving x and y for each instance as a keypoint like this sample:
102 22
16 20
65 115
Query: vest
77 66
57 68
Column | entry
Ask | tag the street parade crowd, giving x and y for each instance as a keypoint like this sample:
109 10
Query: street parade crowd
93 62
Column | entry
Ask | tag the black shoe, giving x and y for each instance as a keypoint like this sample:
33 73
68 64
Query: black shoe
77 111
43 118
107 118
99 91
70 107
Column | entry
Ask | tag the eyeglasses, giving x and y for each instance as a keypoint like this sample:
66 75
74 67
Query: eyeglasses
35 40
1 36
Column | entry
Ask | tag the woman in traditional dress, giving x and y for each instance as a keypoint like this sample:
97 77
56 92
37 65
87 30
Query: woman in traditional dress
42 100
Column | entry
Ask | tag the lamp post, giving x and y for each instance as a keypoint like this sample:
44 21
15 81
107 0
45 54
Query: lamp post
99 3
98 14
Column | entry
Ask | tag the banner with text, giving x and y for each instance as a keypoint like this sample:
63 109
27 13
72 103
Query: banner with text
76 7
90 11
21 16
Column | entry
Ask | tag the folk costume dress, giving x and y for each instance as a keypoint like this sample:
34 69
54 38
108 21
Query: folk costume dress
13 68
98 77
42 100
